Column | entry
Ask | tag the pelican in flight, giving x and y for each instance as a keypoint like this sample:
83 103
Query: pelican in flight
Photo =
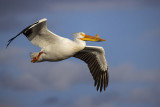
56 48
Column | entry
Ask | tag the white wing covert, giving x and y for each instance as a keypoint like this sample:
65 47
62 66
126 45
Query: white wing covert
38 34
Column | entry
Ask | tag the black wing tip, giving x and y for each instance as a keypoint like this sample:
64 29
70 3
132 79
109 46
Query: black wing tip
99 75
13 38
102 81
9 42
24 31
17 36
101 89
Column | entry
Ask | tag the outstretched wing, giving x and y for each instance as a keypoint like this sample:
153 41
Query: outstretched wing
38 34
94 56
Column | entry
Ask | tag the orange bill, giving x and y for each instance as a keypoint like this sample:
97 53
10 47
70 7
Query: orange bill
92 38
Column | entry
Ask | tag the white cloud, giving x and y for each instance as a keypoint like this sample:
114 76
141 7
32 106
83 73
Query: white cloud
151 35
128 73
40 76
145 94
61 75
100 4
88 101
7 54
47 75
64 74
8 103
140 96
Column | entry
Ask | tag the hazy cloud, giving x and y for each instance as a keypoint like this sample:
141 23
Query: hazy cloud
64 74
12 12
101 4
93 101
136 96
144 94
51 101
6 55
128 73
151 35
17 6
8 103
42 76
39 76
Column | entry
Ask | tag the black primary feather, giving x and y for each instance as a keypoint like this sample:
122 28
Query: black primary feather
24 31
100 76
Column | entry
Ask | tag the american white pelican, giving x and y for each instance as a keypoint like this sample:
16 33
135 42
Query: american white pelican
57 48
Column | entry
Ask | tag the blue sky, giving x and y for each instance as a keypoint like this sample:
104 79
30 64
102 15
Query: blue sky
132 31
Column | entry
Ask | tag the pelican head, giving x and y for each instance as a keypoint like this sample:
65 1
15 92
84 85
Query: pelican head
85 37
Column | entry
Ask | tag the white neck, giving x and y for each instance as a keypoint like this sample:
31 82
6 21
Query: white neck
80 43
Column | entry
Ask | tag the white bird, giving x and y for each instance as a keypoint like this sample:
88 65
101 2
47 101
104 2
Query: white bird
57 48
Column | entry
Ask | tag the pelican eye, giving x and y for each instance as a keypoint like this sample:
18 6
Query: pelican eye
82 34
